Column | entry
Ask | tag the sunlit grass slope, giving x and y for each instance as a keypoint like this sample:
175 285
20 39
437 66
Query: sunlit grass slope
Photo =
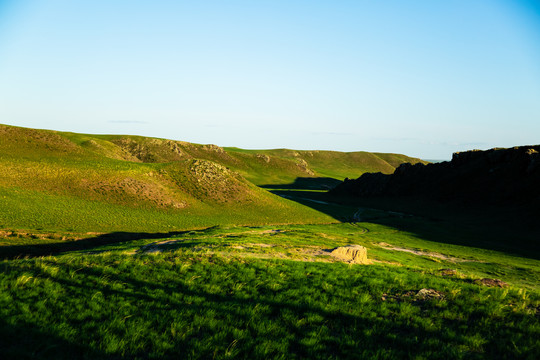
260 293
69 181
62 181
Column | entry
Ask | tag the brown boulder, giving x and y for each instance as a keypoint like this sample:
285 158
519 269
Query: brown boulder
353 254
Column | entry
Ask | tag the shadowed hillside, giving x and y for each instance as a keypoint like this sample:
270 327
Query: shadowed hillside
493 177
495 192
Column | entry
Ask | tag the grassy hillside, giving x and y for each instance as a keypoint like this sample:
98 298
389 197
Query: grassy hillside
316 163
270 293
130 247
61 181
69 181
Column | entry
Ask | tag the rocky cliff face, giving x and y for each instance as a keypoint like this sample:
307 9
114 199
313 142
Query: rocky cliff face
493 177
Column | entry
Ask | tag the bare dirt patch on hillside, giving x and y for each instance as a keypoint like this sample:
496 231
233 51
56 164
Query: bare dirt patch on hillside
136 190
424 253
264 251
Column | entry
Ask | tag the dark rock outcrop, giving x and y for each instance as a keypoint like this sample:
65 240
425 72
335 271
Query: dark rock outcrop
493 177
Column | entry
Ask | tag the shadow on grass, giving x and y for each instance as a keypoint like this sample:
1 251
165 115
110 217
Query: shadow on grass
319 201
345 336
35 250
306 183
495 229
23 340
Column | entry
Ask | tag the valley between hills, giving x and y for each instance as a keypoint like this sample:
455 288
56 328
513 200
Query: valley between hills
119 246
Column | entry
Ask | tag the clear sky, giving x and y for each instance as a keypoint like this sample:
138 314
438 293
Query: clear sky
423 77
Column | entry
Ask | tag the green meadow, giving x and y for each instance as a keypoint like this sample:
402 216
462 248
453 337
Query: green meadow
269 292
130 247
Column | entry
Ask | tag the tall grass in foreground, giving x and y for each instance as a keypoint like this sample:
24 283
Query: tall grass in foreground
195 304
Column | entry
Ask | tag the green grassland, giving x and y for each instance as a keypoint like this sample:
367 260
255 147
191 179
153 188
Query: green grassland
268 293
68 181
131 247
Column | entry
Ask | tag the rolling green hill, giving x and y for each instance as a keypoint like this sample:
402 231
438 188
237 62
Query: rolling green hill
132 247
69 181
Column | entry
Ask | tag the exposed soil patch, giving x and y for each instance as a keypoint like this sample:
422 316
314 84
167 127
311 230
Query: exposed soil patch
6 234
448 272
304 254
491 282
135 189
252 232
271 231
354 254
262 245
424 253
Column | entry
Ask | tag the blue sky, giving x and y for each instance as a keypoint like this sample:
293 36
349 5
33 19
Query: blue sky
423 78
